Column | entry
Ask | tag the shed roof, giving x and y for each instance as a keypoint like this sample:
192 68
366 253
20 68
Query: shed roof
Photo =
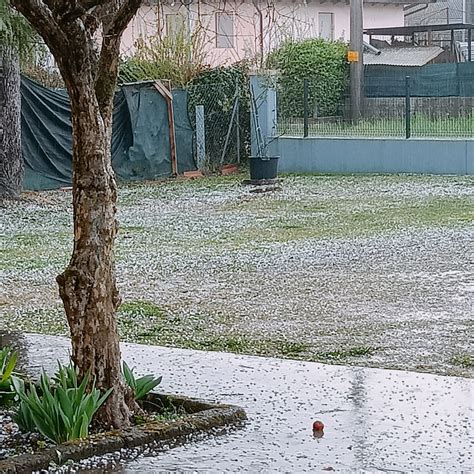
410 30
403 56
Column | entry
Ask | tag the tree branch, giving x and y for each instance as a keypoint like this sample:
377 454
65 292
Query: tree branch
77 8
69 41
88 4
123 17
42 19
106 79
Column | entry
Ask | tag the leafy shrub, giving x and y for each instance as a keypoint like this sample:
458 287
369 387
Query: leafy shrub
59 412
8 360
142 386
322 63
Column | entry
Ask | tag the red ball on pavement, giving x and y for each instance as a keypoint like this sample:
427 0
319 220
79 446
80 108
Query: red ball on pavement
318 426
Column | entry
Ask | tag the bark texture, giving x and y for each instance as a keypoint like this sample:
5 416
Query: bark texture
88 285
11 160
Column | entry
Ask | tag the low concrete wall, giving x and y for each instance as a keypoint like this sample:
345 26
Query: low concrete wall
352 155
367 155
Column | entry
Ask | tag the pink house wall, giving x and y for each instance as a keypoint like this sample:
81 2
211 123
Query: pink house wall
282 19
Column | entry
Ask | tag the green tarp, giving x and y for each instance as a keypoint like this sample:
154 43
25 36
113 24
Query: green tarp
433 80
140 139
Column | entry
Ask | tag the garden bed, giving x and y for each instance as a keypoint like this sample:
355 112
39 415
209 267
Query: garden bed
197 416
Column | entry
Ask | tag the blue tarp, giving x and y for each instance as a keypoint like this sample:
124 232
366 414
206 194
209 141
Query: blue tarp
140 138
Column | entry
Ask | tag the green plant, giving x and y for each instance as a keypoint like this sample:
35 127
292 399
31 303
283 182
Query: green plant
178 57
15 31
8 360
142 386
59 412
463 359
141 308
323 63
217 89
339 354
22 416
66 376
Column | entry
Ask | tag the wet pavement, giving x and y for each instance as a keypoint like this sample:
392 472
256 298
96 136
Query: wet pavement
375 419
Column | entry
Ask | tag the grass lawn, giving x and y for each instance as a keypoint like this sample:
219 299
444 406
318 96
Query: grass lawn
365 270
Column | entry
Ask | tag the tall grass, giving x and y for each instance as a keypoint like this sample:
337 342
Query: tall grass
179 57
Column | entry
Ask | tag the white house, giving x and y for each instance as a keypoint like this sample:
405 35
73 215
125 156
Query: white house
244 29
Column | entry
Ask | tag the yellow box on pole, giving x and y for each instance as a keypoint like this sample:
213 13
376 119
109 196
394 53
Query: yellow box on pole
353 56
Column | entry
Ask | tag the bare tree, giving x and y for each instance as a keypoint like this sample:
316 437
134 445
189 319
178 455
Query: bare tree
70 29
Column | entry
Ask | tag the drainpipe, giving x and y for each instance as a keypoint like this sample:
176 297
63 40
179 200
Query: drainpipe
372 49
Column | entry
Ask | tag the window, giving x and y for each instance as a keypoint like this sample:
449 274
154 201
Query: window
326 26
176 24
224 30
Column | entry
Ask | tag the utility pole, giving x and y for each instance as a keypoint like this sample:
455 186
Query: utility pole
470 20
468 16
469 11
356 58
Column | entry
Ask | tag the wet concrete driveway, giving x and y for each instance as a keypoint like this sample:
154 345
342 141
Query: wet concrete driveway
376 420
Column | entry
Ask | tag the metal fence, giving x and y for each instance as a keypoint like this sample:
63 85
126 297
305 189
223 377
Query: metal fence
219 115
404 115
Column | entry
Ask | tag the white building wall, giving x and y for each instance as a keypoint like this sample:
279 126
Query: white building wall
281 20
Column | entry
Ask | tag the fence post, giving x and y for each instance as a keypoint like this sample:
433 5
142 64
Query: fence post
469 45
407 108
200 137
305 108
237 128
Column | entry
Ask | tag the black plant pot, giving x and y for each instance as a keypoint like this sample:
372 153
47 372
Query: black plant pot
263 167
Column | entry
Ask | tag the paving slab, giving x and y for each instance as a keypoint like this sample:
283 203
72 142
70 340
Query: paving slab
375 420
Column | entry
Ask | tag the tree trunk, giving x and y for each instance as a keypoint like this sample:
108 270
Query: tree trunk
88 285
11 160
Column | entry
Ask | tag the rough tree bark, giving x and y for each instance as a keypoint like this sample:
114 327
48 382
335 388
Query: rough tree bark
88 285
11 160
